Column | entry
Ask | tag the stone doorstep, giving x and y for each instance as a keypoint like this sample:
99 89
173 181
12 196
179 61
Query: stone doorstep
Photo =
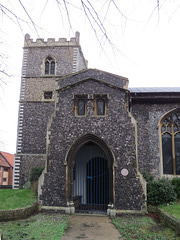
110 212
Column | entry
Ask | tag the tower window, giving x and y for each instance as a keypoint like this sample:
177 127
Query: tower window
48 95
49 66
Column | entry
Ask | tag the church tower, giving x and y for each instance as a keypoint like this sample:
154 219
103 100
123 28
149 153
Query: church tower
44 62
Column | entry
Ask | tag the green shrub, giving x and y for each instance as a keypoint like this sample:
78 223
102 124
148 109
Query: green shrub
160 191
148 177
27 185
176 185
35 173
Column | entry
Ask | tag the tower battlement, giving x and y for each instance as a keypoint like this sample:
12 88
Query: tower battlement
51 42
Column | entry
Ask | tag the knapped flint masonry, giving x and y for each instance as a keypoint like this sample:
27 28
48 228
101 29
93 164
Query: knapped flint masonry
94 136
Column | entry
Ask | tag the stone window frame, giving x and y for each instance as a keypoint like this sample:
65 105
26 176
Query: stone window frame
77 99
51 60
168 127
47 99
97 98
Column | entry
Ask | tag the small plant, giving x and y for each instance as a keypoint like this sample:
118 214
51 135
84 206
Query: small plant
176 185
27 185
35 173
160 191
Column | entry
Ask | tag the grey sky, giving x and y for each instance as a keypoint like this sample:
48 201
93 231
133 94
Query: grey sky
144 45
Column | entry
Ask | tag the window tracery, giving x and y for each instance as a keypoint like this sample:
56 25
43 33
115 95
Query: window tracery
170 134
49 66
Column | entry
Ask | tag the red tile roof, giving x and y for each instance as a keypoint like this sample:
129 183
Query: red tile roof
6 159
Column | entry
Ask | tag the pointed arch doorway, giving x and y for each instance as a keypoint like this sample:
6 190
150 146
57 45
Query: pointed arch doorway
90 175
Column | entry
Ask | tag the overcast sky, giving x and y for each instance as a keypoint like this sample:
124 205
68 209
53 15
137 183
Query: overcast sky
142 44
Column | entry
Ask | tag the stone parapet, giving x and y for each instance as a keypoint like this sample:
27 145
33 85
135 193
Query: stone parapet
51 42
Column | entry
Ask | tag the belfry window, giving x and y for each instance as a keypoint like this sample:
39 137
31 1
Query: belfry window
170 133
49 66
48 95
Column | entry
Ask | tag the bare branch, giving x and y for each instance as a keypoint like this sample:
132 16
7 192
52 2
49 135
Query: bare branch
31 20
5 73
174 12
5 10
118 9
67 13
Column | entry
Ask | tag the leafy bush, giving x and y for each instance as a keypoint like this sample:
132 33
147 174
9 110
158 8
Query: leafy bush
148 177
160 191
176 185
35 173
27 185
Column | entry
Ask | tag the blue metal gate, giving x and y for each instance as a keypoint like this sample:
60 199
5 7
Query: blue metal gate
90 179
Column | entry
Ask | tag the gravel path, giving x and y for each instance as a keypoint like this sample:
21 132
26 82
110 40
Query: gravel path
91 227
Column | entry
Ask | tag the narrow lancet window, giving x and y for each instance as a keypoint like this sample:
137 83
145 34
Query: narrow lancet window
49 66
81 107
100 107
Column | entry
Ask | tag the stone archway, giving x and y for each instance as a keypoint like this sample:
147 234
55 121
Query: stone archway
89 174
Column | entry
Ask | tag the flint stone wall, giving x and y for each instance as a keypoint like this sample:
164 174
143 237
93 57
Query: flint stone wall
116 129
35 118
63 59
147 117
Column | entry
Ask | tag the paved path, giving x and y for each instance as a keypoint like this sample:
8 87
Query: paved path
90 227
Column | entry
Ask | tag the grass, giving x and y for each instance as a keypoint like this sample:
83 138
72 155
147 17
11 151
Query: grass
37 227
16 198
172 209
143 228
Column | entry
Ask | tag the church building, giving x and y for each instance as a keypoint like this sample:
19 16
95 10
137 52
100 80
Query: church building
94 136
